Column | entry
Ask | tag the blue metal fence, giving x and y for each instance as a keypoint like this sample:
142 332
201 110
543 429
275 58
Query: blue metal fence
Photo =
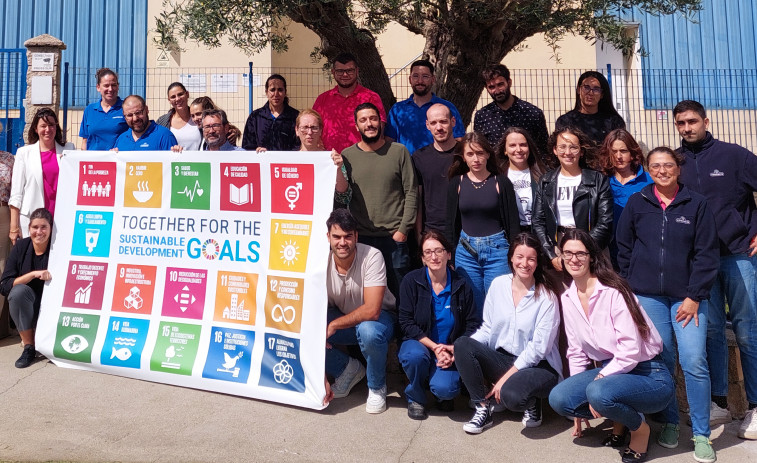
12 92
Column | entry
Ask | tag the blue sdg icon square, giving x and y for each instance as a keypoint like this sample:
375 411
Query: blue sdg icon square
281 367
92 233
124 342
229 355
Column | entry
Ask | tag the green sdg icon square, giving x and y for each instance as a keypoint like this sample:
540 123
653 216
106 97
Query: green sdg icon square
190 185
75 336
176 348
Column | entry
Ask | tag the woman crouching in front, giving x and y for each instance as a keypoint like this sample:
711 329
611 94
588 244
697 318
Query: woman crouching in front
604 323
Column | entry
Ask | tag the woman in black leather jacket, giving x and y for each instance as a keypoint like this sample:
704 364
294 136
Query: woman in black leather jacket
572 195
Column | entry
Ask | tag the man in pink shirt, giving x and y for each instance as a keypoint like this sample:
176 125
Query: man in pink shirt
337 106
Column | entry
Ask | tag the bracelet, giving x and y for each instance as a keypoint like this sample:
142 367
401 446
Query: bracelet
16 230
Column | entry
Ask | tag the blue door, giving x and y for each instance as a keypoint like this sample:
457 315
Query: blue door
12 93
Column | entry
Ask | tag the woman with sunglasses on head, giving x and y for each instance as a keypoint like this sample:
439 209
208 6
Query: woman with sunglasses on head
482 214
668 250
436 307
521 159
573 195
622 162
606 326
513 359
594 113
179 119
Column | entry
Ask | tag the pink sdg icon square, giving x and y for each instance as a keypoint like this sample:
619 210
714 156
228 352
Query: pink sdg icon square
97 184
292 188
184 294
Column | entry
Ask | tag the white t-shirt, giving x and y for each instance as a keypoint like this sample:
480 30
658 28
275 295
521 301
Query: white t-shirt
566 191
522 183
345 292
188 136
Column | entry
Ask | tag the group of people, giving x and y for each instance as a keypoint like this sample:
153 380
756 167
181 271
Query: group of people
565 268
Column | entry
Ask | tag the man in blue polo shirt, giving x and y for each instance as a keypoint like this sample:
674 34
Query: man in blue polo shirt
143 134
407 119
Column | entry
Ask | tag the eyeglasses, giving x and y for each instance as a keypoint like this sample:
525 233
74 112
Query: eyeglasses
568 148
594 90
580 255
657 166
309 128
345 72
430 252
211 126
421 76
141 112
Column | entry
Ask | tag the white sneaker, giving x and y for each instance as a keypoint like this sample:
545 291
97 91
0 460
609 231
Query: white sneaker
352 374
376 402
721 415
748 428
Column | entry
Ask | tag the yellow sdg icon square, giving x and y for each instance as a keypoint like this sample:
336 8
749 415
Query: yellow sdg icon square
283 303
235 298
143 186
289 245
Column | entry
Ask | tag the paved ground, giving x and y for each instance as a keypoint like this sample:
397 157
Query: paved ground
57 414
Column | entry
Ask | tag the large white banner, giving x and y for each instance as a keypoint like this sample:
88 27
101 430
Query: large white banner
204 270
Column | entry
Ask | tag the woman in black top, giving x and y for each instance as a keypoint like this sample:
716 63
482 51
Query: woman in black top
24 279
272 127
482 214
594 113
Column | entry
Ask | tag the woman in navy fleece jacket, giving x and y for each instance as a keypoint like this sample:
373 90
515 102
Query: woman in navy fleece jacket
668 251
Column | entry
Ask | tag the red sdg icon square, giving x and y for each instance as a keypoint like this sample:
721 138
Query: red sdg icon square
240 187
97 184
292 188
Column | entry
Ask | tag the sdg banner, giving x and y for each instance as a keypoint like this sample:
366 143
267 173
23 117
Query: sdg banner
204 270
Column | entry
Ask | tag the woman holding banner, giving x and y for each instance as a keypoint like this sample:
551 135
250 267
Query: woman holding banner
24 279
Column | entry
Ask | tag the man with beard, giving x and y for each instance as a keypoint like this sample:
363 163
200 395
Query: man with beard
215 128
407 118
508 110
143 134
432 164
336 106
384 192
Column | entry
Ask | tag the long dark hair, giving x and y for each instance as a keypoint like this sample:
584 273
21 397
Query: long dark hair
459 167
49 117
605 103
544 279
588 158
600 266
534 155
605 151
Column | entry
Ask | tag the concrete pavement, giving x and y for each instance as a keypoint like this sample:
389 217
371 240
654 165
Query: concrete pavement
50 413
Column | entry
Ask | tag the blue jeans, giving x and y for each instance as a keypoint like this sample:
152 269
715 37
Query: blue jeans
373 338
648 388
491 262
692 342
420 367
737 283
396 259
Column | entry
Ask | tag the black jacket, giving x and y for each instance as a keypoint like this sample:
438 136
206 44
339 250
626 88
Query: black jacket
416 309
276 134
726 174
592 209
20 262
671 253
508 209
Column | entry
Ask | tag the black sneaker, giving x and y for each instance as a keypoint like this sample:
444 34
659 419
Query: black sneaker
416 411
481 420
27 356
532 416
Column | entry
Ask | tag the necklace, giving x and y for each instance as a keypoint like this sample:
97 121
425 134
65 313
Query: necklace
478 185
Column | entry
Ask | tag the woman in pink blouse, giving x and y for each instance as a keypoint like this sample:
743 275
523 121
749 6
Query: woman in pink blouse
616 371
35 172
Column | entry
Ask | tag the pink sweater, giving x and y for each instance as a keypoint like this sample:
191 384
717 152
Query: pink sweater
608 333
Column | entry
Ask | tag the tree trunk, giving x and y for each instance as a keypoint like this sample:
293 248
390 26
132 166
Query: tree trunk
337 31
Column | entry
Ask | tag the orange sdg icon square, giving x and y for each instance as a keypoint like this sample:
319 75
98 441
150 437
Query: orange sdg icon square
235 298
290 240
283 303
134 289
143 186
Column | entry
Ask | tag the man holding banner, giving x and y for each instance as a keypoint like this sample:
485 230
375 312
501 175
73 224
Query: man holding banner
361 311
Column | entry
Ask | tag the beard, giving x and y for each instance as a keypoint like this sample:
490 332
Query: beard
421 90
372 139
502 97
